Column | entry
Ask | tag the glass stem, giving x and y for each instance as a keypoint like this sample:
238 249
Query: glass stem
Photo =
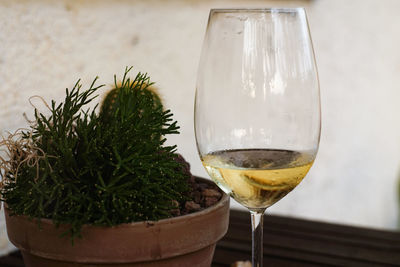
257 238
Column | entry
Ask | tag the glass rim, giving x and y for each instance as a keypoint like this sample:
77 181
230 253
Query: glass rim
254 10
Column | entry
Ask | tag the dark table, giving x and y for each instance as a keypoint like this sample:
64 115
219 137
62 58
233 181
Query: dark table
296 242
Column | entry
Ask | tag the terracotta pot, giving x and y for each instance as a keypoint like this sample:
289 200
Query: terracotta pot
187 240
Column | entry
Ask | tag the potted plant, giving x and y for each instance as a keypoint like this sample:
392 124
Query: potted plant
88 188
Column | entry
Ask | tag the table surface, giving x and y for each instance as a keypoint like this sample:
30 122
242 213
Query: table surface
297 242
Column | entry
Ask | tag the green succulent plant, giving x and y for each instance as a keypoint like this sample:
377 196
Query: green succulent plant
78 166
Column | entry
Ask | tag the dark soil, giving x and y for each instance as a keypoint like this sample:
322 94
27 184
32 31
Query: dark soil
202 195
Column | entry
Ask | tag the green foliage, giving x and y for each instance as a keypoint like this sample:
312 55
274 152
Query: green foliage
106 168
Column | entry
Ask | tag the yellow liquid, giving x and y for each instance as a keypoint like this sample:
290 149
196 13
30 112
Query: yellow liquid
257 178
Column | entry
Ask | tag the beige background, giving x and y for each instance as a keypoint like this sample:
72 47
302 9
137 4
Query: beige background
46 46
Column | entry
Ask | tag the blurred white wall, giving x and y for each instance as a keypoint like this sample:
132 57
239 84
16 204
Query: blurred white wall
45 46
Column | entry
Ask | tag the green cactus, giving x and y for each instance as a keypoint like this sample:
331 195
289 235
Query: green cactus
110 103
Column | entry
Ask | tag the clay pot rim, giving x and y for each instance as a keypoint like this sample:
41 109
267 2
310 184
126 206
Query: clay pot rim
170 220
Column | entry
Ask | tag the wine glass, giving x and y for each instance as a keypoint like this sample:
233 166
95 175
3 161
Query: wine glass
257 107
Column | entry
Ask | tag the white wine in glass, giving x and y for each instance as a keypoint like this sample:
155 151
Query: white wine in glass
257 106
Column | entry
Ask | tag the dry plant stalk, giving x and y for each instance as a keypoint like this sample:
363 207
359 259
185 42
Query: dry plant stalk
20 149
